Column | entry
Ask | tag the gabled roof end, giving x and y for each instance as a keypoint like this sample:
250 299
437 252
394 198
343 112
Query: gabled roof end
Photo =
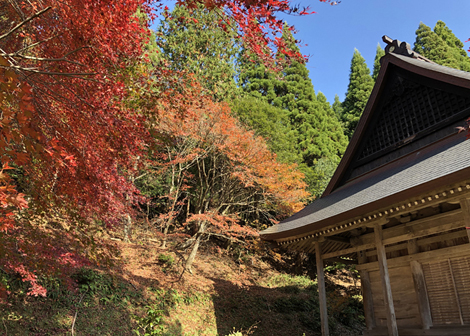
402 48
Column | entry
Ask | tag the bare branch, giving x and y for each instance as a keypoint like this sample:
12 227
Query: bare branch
231 239
22 23
35 70
62 59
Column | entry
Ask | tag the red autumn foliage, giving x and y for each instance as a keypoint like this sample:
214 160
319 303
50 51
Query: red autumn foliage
66 121
63 119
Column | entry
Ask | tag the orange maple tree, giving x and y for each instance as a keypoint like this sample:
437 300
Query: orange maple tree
221 177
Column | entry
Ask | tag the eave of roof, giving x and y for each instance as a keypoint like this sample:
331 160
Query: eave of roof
440 164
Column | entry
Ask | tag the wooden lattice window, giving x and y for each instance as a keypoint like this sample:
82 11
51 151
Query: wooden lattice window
415 110
448 287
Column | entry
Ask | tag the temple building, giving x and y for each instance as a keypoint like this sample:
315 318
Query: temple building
398 205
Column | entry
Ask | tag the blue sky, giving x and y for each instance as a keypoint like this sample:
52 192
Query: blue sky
334 31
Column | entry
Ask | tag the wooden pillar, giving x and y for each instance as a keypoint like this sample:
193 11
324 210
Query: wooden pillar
321 291
366 292
385 279
420 287
465 206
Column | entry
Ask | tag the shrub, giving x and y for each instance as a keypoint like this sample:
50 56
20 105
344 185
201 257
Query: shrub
166 259
286 280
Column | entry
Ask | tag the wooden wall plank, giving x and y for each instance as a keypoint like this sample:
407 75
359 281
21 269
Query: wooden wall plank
404 298
421 294
465 206
366 293
441 293
428 256
461 270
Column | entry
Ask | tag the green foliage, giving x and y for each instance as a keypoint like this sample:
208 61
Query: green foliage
287 280
13 283
378 55
441 46
341 266
359 89
102 303
192 42
294 90
151 47
243 332
93 283
271 123
430 45
337 107
451 40
321 175
314 126
318 131
255 79
289 304
166 259
235 333
347 310
152 323
460 59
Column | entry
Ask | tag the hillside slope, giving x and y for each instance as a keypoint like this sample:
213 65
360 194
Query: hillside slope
145 293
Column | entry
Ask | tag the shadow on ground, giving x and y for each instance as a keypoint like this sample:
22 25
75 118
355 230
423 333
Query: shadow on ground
288 310
266 311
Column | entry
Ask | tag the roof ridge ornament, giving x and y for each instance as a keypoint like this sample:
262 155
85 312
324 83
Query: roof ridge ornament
402 48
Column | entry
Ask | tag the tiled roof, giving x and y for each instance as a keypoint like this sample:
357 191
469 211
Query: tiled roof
442 160
433 67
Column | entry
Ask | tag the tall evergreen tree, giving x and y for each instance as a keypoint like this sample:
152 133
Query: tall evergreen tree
319 133
359 89
446 34
378 55
456 50
294 90
315 126
331 130
337 107
191 41
432 46
270 122
255 79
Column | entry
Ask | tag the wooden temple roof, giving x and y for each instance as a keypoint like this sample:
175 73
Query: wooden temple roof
407 143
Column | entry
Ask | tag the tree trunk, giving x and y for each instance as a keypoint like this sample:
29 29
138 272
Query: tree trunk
192 255
127 228
174 181
128 219
165 232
